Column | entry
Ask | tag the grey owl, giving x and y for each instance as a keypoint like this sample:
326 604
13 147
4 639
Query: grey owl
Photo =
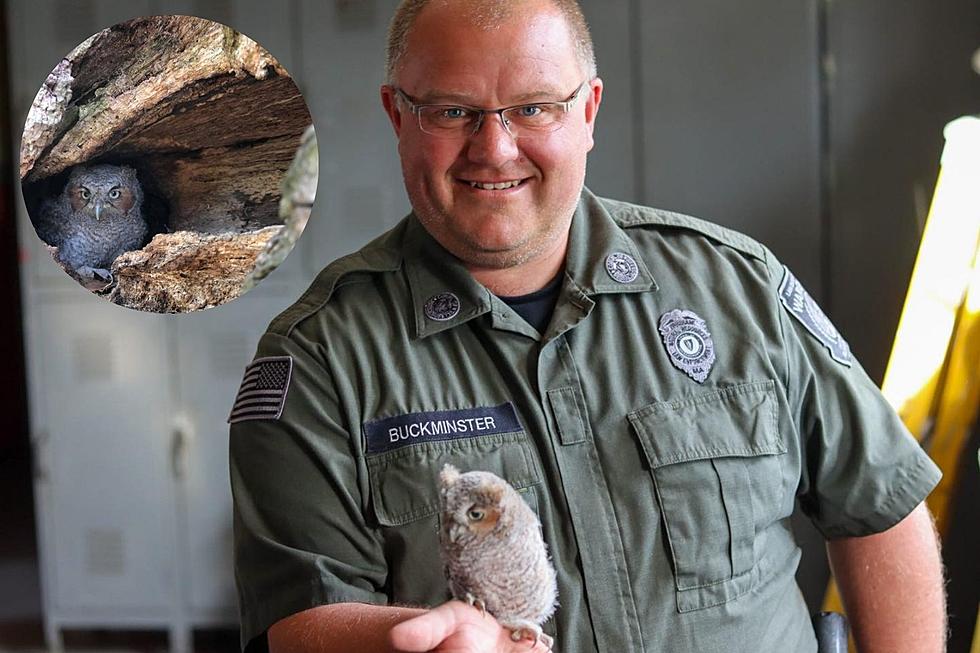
494 554
97 217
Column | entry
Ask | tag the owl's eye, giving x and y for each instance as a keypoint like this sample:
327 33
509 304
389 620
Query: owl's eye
475 514
85 193
114 194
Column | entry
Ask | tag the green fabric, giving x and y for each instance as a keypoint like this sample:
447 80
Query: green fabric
665 503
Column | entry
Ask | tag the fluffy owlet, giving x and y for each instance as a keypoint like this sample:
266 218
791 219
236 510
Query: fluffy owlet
97 217
494 553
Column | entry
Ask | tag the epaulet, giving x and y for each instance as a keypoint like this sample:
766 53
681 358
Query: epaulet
629 215
377 256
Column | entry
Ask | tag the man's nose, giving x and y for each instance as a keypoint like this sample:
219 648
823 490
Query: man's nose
492 142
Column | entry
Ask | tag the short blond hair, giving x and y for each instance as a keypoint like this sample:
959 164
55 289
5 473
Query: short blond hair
486 14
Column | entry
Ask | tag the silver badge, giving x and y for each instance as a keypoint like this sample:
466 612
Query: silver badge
688 342
622 267
442 307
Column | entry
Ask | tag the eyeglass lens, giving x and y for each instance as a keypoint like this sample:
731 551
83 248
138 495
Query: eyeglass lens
523 120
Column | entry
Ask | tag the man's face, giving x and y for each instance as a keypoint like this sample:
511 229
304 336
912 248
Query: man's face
529 58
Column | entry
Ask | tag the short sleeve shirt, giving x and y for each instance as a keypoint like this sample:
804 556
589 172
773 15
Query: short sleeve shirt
685 395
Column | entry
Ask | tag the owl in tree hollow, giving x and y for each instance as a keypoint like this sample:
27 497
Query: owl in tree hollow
97 217
494 553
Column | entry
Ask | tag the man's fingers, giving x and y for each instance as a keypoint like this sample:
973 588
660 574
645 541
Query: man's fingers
427 631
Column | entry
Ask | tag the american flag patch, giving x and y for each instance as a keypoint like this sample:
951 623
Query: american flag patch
262 393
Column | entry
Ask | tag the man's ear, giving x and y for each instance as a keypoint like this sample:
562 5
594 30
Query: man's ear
389 99
592 102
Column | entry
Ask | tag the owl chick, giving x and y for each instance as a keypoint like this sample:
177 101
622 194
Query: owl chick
97 217
494 553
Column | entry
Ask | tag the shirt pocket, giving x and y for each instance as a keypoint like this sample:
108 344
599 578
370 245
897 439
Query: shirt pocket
715 467
405 482
404 487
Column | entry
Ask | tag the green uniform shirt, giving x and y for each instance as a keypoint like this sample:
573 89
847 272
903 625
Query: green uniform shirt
665 499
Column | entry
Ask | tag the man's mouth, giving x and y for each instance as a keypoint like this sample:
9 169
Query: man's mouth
495 185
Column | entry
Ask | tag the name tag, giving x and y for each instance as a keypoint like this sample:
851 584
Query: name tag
402 430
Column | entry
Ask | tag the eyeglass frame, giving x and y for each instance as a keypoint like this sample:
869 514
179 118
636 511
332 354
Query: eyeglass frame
416 108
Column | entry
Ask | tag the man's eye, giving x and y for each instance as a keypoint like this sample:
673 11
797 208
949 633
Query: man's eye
453 113
529 111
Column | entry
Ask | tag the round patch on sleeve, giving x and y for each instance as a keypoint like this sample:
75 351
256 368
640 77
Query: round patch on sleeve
801 306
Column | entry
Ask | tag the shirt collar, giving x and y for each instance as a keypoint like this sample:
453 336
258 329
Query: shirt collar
445 295
594 238
441 286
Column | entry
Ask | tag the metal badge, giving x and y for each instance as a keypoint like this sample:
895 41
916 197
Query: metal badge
442 307
799 303
688 343
622 267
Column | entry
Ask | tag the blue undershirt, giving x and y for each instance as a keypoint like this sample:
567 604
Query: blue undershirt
536 307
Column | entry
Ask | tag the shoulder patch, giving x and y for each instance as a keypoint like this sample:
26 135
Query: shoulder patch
262 393
801 306
632 215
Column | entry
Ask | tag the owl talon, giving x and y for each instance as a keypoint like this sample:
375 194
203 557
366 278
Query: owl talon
480 604
523 629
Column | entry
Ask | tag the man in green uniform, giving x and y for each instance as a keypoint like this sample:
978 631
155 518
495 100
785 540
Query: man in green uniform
661 391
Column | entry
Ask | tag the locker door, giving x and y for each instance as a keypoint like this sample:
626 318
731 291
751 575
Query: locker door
730 104
107 491
612 168
213 348
360 192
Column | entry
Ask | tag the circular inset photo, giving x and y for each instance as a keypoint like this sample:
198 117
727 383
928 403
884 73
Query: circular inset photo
169 163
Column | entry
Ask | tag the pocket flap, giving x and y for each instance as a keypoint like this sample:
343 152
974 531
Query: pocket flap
738 420
405 482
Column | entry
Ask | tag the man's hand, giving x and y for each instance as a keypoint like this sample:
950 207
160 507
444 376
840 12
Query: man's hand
455 627
892 586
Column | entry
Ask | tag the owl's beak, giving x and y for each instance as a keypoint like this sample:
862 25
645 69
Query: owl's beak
455 531
98 209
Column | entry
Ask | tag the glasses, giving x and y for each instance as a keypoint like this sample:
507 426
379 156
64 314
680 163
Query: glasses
520 121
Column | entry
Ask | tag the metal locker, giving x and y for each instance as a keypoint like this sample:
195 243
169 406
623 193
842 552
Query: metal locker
213 348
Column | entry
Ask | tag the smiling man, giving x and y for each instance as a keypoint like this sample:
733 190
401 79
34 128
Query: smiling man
660 390
496 188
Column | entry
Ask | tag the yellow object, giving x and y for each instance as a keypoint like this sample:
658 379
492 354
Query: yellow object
976 635
933 374
932 378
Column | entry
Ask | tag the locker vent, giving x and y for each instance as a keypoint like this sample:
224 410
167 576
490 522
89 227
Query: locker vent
104 552
229 354
93 358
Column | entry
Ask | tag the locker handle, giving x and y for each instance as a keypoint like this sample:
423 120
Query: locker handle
38 445
183 439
